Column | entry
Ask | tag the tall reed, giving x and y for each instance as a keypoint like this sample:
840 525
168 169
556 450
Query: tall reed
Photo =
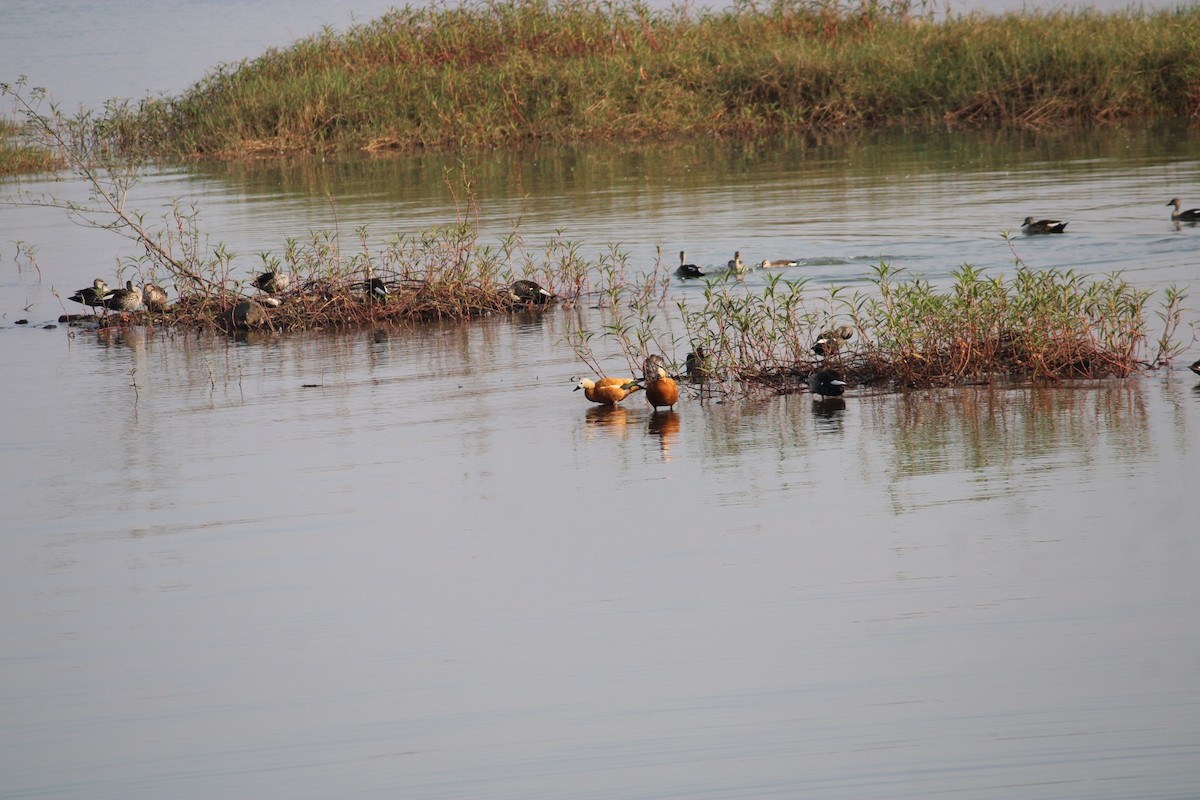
1032 325
490 73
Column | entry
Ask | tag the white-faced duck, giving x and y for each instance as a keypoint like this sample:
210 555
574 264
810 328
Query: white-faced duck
1191 215
528 292
607 391
272 282
826 383
92 295
783 262
736 265
155 297
687 270
127 299
1195 368
828 342
1033 226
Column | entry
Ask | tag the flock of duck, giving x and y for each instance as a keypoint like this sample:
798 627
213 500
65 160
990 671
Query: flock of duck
271 283
660 388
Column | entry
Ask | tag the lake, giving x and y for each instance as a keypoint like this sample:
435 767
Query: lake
412 562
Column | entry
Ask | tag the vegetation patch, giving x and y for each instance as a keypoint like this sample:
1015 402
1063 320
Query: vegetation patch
18 157
485 74
1047 325
1041 325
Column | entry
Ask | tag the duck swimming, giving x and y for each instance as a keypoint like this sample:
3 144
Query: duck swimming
1191 215
736 265
1032 226
687 270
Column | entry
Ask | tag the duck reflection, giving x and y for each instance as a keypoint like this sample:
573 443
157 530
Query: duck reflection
828 407
613 418
664 425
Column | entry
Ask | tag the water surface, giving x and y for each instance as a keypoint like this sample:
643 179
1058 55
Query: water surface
411 562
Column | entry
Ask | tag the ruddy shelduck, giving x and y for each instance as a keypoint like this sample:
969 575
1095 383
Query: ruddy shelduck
607 391
661 389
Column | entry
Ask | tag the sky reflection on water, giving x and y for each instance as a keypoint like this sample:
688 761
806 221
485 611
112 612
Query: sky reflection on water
434 579
413 563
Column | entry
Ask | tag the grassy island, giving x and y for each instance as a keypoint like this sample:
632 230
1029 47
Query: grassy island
514 71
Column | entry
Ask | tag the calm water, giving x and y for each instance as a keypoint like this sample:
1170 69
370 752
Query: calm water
413 563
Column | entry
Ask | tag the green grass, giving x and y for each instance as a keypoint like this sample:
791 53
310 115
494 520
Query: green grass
1046 325
503 73
18 157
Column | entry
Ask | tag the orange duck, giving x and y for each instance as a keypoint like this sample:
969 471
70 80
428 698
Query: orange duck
608 391
660 388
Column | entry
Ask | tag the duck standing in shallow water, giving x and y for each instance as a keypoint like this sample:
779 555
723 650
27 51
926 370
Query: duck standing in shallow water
826 383
1191 215
272 282
607 391
122 300
829 341
528 292
92 295
687 270
661 389
1032 226
696 365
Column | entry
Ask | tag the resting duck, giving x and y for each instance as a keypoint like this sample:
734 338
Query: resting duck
92 295
1032 226
687 270
607 391
1195 368
155 297
1191 215
826 383
374 288
829 341
127 299
273 282
528 292
660 388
